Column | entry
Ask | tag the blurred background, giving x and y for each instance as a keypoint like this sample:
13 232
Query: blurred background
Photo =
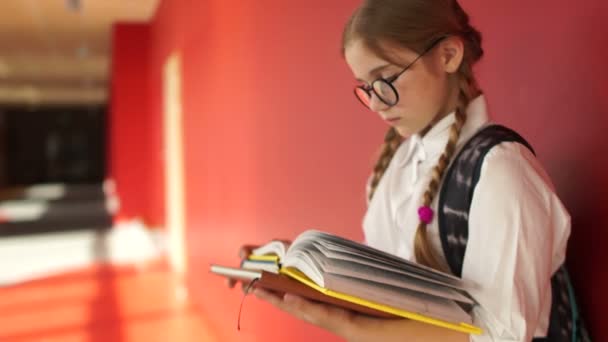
142 140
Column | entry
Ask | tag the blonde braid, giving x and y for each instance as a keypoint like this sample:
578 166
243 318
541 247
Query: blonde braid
423 250
392 140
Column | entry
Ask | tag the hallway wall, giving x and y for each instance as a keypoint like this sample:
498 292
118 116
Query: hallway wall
545 74
132 160
275 142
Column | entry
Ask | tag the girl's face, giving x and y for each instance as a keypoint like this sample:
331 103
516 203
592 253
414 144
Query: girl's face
426 91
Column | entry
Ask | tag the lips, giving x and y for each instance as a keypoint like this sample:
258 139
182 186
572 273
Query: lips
392 120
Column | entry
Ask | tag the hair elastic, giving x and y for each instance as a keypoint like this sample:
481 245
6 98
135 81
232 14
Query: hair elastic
426 214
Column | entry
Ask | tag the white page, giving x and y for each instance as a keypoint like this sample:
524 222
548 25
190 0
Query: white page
375 275
443 309
273 247
308 257
264 266
362 249
410 280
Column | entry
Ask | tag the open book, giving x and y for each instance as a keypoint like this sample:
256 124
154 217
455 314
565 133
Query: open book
331 269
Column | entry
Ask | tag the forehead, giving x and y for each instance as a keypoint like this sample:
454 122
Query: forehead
361 59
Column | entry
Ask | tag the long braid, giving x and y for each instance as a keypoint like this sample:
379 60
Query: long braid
423 251
392 140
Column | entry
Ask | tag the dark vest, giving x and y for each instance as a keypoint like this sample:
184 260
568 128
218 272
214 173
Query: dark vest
455 198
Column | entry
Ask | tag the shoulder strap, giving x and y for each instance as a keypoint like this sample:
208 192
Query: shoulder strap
458 187
566 324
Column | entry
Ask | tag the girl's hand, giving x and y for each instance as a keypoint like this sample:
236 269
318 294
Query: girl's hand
244 252
360 328
337 320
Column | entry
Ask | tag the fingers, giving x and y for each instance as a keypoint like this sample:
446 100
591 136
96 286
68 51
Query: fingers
311 312
325 316
246 287
231 283
245 250
293 305
270 297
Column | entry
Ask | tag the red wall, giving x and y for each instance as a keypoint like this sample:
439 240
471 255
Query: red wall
545 74
129 132
262 159
275 142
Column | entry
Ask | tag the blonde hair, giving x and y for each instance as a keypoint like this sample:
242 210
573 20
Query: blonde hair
414 24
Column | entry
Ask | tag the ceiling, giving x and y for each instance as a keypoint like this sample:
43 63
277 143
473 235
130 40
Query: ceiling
58 51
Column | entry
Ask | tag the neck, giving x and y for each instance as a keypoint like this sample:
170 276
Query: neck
449 106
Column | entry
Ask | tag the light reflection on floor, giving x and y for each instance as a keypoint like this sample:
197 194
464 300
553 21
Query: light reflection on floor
101 303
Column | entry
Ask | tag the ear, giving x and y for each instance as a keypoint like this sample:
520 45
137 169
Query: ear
451 51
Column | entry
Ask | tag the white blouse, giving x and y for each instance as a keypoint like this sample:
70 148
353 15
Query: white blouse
518 228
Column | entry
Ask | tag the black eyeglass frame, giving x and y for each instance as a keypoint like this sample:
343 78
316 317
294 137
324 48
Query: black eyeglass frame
389 81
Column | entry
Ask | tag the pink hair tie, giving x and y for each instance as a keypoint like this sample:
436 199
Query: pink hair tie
426 214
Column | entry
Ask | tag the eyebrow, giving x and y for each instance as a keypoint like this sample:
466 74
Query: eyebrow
375 71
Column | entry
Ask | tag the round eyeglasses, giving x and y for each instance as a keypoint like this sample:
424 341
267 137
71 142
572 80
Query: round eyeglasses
383 87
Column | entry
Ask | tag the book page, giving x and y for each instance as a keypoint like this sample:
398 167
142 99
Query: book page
273 247
306 263
318 254
400 298
370 252
375 275
272 267
335 251
342 251
339 262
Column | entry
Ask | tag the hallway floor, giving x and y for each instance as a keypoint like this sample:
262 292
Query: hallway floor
101 303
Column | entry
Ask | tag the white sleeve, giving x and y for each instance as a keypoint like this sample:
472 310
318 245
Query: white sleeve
518 230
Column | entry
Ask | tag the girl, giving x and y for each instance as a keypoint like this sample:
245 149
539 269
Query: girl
414 59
